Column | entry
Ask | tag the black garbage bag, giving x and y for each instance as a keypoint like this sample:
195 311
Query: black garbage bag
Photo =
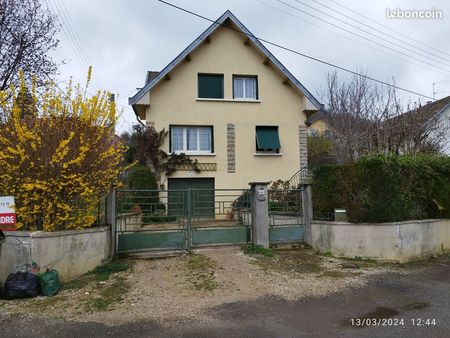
21 285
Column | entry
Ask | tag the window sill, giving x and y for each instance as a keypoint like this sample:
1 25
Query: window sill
228 100
194 154
268 154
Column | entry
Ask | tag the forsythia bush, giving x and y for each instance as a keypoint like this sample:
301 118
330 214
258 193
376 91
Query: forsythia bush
58 154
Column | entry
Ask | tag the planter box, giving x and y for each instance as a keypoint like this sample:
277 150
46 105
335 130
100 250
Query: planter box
72 252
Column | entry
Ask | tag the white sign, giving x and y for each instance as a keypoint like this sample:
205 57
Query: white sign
7 213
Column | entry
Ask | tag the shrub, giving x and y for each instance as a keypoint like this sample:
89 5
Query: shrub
58 154
386 188
142 178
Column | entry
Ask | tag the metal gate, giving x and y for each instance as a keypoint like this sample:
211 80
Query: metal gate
149 220
286 216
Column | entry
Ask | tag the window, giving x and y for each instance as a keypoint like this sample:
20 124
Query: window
267 139
191 140
245 87
210 86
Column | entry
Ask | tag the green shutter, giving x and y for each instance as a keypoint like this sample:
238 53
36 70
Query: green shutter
210 86
267 138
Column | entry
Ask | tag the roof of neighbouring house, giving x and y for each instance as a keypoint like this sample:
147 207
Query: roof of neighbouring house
218 23
312 117
426 112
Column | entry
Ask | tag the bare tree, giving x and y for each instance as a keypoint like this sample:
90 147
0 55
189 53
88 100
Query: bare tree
366 118
27 35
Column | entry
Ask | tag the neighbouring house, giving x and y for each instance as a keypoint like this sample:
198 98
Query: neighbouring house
422 129
316 123
229 103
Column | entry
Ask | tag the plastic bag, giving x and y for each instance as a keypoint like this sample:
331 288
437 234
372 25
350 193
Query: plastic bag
49 281
21 285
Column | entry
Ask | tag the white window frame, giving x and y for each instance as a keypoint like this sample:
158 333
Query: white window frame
246 78
192 152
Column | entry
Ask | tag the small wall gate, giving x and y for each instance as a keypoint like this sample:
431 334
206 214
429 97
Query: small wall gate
151 220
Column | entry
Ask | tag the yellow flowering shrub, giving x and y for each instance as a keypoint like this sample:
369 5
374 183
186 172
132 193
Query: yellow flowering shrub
58 154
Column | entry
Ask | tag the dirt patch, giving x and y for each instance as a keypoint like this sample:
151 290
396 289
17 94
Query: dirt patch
202 272
291 261
183 287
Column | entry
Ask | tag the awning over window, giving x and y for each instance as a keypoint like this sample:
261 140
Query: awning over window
267 138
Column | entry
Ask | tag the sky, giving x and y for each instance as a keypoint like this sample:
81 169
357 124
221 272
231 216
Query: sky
122 39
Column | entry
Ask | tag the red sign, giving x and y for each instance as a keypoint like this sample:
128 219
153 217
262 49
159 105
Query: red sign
7 213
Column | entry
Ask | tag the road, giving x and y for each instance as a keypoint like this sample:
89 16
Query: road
420 295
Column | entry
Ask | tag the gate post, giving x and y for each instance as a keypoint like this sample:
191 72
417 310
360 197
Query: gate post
260 213
307 207
111 217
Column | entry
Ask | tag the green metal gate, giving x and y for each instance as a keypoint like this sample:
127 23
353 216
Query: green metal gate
286 216
181 219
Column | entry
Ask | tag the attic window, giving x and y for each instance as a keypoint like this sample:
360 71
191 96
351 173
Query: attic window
245 87
210 86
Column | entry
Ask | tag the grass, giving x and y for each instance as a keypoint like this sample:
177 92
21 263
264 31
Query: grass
102 272
201 272
108 295
258 250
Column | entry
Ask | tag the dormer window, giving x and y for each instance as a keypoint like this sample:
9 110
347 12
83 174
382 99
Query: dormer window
245 87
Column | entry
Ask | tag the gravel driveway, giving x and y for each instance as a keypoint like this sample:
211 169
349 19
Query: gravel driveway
195 295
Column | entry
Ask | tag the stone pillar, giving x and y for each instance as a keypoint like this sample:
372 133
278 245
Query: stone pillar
303 146
307 211
231 148
111 217
260 213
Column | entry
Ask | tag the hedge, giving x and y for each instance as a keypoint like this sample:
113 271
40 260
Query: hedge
385 188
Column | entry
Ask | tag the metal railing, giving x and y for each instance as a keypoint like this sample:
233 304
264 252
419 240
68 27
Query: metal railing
303 176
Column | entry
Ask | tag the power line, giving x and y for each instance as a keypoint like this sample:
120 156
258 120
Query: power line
346 36
382 25
375 29
72 37
71 31
361 36
296 52
52 9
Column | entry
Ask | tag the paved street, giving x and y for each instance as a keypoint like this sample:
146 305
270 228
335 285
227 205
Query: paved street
421 295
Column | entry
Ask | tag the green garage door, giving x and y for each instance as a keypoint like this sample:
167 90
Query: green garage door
202 195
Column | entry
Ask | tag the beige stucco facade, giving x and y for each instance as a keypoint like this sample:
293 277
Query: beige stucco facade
319 126
173 101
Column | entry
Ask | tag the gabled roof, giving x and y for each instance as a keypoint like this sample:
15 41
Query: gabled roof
318 115
428 112
218 23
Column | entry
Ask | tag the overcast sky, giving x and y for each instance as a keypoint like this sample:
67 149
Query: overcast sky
123 39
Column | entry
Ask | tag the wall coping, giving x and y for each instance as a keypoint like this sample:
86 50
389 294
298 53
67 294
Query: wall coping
46 234
419 221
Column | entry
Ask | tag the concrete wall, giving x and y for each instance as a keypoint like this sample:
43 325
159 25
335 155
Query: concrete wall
399 241
175 102
71 253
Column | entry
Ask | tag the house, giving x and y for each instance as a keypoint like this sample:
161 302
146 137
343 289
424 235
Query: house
316 123
229 103
423 128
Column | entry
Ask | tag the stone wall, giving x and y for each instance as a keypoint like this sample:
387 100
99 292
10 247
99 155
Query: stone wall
397 241
71 253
